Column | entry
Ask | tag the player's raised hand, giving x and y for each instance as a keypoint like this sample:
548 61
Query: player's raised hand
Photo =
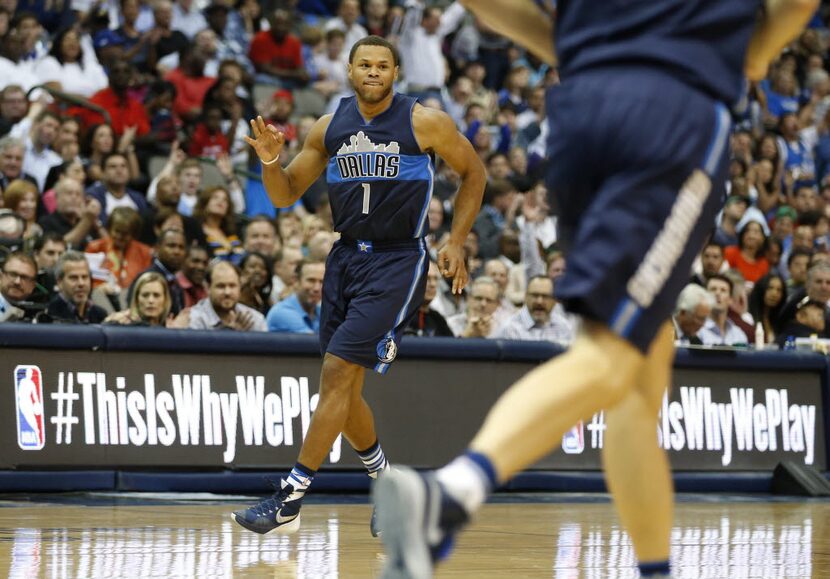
267 141
451 263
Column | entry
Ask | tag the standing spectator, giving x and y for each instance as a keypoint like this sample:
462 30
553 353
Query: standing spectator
149 306
427 322
299 313
478 321
124 256
169 257
112 192
221 310
163 39
17 283
72 304
70 67
75 218
188 18
347 22
766 302
719 330
421 42
191 278
537 319
39 156
694 304
277 54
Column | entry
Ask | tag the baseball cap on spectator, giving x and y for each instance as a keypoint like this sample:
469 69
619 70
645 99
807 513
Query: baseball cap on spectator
107 38
284 93
787 211
808 301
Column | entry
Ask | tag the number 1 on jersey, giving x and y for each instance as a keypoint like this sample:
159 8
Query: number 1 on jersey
366 193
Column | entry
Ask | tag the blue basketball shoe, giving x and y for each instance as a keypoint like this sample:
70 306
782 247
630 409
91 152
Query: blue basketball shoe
419 521
280 513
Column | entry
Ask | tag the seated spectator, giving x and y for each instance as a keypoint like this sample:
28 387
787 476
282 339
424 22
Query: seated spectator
13 107
492 220
299 313
75 218
208 140
810 320
748 255
17 283
73 169
719 330
798 263
39 131
168 196
21 197
284 280
169 257
498 271
72 304
711 263
261 235
215 212
817 289
537 319
112 191
277 54
47 249
733 211
191 278
12 153
766 302
256 281
124 256
320 244
739 306
691 313
125 110
427 322
221 309
478 321
149 304
191 83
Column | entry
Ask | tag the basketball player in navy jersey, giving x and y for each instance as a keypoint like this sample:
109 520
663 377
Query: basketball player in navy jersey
376 150
637 149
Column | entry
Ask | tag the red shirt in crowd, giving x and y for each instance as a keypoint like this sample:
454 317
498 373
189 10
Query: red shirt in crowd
128 112
190 91
286 54
207 144
752 272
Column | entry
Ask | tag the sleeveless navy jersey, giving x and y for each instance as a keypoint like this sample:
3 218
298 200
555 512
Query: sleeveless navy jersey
379 180
700 42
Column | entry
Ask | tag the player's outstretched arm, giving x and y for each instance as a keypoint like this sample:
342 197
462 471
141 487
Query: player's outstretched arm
782 21
285 186
522 21
436 132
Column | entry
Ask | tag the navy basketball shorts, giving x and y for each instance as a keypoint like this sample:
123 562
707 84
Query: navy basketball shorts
370 293
637 168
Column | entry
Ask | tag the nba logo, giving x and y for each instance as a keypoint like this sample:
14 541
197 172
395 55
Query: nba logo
28 385
573 441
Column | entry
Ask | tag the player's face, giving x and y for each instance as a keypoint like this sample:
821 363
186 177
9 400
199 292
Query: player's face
372 73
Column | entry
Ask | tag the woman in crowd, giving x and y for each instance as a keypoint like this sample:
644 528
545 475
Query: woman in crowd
214 210
100 142
766 302
748 257
71 67
149 306
256 282
73 169
21 197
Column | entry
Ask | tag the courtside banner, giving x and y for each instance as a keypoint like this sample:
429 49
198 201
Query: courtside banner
97 408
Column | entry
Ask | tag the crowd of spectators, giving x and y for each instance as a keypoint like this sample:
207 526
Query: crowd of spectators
130 197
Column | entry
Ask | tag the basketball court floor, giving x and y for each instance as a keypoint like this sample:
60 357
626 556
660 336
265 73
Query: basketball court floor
559 536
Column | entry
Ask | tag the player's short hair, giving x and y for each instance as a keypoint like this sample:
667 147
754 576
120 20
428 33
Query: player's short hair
374 40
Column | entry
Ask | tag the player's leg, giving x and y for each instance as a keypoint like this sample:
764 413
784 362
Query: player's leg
636 468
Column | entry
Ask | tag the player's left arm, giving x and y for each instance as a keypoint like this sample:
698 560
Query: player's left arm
436 132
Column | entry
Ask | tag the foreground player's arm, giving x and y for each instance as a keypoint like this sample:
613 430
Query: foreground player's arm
285 186
522 21
782 21
435 131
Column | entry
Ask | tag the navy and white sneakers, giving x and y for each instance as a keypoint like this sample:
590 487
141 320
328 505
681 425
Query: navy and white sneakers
278 514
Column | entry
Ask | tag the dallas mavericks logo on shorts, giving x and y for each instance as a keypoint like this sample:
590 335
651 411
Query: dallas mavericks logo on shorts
573 441
387 350
28 388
